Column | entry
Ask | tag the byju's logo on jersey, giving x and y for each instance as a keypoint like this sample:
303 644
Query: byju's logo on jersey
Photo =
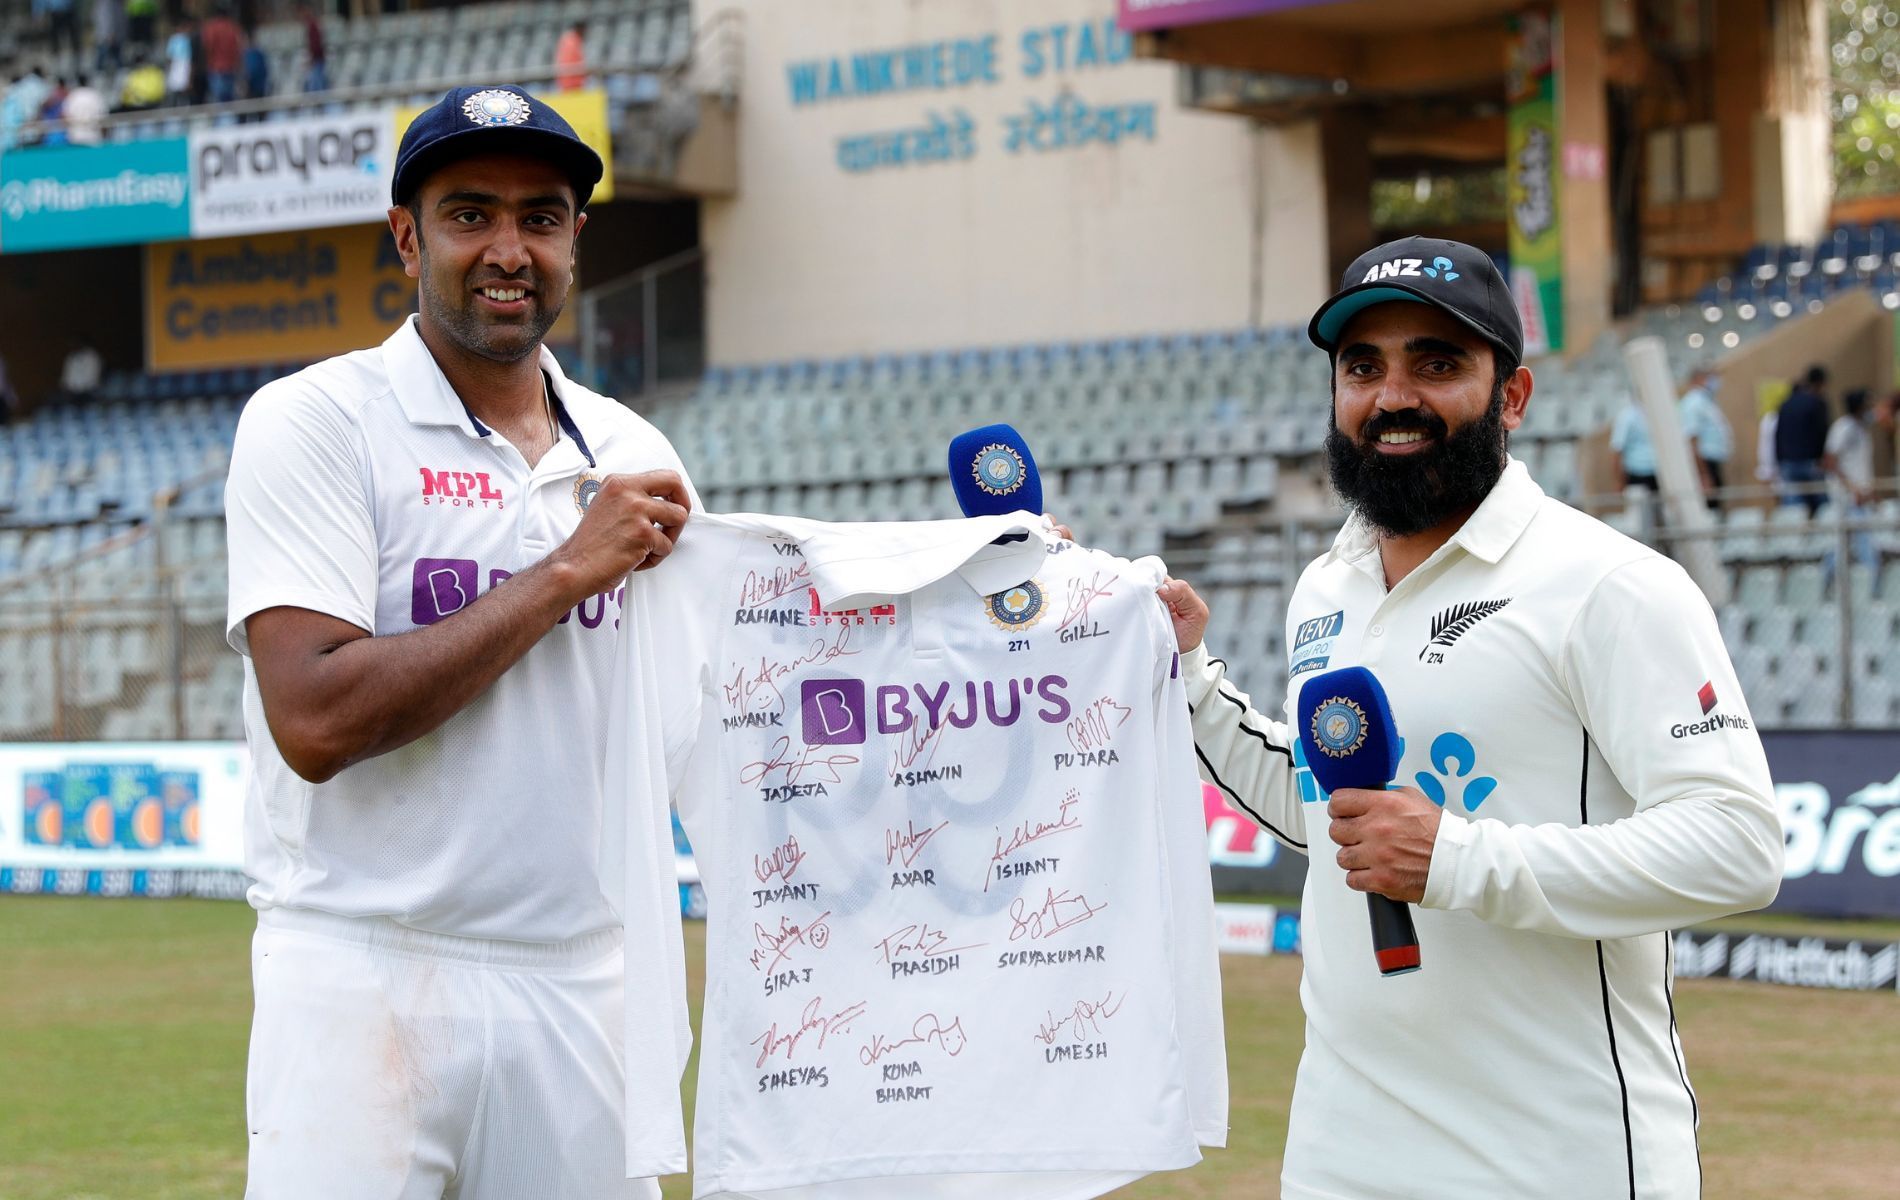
1454 623
458 489
838 712
442 587
1313 642
1018 607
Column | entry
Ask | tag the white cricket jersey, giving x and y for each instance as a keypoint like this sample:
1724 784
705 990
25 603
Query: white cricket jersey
941 794
1564 693
362 487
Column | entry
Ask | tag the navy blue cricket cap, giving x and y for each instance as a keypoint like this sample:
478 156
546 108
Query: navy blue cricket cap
491 120
1459 279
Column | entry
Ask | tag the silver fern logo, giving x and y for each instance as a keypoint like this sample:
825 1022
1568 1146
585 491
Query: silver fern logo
1454 623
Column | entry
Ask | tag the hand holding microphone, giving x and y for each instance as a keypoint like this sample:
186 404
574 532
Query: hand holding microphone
1385 837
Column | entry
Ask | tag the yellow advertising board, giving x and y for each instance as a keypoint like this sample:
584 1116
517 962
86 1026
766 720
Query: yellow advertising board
283 298
584 109
273 297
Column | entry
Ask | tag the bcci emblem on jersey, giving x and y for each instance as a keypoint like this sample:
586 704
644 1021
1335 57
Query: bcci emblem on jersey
1339 727
999 470
1018 607
585 489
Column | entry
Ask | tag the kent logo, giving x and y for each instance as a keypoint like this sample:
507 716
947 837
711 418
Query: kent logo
458 489
842 712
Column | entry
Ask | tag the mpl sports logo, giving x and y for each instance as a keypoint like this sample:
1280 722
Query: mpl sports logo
459 489
877 614
1710 724
842 712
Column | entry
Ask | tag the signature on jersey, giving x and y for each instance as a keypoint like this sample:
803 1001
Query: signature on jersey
796 767
812 1019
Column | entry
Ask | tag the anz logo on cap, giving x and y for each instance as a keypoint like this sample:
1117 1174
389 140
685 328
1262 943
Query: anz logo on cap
496 107
1339 727
999 469
1441 268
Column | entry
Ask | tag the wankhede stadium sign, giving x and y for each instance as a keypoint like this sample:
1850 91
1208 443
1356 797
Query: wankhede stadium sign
1064 53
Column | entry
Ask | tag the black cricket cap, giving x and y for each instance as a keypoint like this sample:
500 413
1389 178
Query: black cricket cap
491 120
1462 280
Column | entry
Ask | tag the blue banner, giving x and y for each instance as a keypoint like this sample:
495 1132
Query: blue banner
59 197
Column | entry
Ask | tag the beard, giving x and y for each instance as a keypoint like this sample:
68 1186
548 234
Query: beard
1404 495
465 327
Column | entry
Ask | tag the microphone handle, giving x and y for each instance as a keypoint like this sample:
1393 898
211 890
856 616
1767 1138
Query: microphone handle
1394 941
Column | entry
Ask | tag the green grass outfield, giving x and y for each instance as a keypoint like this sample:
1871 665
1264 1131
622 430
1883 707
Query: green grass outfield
123 1026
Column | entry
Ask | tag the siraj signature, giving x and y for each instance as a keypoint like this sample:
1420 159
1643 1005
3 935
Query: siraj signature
778 945
763 589
908 841
773 1042
782 864
1032 831
795 766
1059 911
920 941
1081 595
926 1029
754 688
1084 1020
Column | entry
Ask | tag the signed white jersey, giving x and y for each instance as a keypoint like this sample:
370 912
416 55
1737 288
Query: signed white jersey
941 794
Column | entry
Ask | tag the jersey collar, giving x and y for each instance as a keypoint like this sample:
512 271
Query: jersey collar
1490 531
427 399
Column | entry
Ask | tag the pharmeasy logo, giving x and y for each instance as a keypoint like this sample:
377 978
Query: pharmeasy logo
21 198
843 712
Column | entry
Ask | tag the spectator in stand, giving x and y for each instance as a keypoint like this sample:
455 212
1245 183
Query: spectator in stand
256 72
178 65
1849 462
85 114
62 21
317 78
1768 398
141 26
570 57
1710 438
24 99
1635 453
1801 429
224 54
108 35
53 111
79 377
144 87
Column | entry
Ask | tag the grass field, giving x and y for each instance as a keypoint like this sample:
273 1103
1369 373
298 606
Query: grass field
123 1026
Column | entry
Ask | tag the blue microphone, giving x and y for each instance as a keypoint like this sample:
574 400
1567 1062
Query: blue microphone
993 472
1350 742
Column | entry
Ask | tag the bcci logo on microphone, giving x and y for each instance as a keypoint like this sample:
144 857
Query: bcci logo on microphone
1339 727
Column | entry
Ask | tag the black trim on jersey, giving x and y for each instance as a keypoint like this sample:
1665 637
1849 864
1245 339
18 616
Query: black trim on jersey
1253 733
1669 998
1603 983
567 423
1235 796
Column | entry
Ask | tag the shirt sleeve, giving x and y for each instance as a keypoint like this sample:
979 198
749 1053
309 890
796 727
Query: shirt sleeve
1840 436
1704 840
297 512
1242 752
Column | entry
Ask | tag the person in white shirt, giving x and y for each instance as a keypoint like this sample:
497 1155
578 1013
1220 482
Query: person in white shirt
79 374
1579 775
429 547
1849 462
1710 438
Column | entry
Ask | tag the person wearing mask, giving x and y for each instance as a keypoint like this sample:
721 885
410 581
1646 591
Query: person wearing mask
1710 438
1848 459
1801 427
1635 452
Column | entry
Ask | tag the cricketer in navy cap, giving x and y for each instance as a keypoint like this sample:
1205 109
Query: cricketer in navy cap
491 120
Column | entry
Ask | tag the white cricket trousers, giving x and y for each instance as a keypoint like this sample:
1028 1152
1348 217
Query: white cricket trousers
390 1064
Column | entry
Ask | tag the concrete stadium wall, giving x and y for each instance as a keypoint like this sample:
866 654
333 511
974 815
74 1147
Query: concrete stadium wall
1208 224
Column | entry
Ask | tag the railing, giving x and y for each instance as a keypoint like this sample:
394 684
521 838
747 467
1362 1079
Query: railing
646 329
